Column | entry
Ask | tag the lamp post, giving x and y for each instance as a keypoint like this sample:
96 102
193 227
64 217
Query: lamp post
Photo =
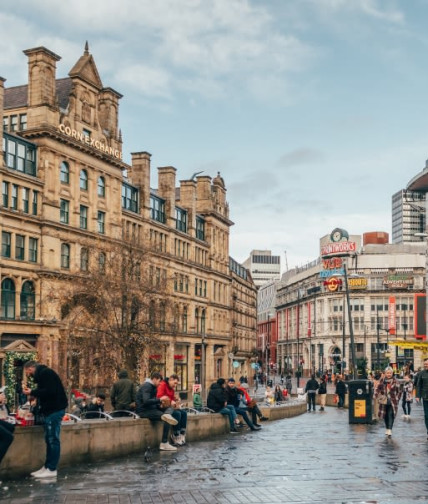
204 395
378 337
343 334
351 329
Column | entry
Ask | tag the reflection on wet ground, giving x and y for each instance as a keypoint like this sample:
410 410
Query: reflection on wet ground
316 457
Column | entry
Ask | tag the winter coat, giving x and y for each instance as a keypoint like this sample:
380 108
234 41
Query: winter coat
122 393
216 397
393 392
340 388
232 398
94 410
50 393
408 391
312 386
322 388
146 398
165 390
422 386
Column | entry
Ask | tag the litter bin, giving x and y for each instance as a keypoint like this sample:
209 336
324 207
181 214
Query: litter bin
360 394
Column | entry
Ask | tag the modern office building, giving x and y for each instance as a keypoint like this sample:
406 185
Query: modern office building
264 267
66 202
408 216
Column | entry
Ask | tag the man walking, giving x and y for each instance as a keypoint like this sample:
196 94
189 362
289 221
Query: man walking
422 391
52 400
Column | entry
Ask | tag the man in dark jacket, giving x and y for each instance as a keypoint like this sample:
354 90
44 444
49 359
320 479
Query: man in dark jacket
233 398
156 408
422 391
217 402
122 395
311 389
96 407
52 400
340 391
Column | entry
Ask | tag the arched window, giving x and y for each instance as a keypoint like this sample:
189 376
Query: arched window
65 256
65 173
28 301
102 261
101 187
203 321
152 315
162 316
184 320
7 299
84 180
84 259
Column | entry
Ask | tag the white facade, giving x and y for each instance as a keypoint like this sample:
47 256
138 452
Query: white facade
313 324
264 266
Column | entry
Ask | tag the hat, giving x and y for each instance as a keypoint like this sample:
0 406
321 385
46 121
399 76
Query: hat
231 380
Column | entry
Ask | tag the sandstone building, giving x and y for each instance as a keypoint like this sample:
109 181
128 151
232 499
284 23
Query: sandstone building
66 191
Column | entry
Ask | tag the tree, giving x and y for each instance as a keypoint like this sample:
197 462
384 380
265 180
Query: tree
113 312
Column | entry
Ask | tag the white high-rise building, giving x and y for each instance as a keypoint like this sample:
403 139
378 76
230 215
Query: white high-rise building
408 216
264 267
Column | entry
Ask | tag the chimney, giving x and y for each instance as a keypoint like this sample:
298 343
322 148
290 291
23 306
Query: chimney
188 202
41 76
166 190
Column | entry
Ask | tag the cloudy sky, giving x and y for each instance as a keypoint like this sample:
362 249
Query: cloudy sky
314 111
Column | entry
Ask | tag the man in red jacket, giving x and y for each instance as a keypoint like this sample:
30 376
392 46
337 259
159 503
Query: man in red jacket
167 388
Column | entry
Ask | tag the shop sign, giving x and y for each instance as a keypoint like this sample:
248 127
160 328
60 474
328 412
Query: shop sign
333 284
340 248
398 281
331 273
391 315
357 283
91 142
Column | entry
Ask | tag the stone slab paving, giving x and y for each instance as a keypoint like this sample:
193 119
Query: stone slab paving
313 458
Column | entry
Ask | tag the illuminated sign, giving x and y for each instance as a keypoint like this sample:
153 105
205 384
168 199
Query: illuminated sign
330 273
339 248
391 315
398 281
357 283
333 284
90 142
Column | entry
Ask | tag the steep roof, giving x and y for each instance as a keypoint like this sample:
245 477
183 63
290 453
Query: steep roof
86 69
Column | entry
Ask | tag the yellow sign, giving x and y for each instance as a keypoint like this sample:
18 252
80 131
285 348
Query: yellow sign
357 283
360 409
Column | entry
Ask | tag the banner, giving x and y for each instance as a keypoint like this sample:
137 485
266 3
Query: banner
391 315
420 316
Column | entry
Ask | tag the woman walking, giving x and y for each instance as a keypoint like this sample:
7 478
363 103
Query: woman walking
388 393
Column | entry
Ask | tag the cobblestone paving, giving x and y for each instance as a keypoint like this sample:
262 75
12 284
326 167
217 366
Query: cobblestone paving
316 457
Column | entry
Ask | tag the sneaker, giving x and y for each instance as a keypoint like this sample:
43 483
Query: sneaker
167 447
264 418
166 417
47 473
36 473
255 427
175 440
234 431
183 439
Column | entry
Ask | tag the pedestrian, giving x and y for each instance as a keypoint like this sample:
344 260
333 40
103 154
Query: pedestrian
167 388
311 389
217 401
407 396
388 393
6 428
322 392
233 398
122 394
422 391
149 406
340 391
288 383
52 400
277 394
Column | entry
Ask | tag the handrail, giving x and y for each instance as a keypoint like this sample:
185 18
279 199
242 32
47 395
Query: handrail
130 413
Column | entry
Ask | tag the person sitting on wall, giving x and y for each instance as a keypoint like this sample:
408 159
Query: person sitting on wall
251 404
96 407
197 399
156 408
233 398
167 388
217 401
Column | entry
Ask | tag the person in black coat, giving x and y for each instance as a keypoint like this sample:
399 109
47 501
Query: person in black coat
311 389
217 401
233 398
52 400
6 428
340 391
96 407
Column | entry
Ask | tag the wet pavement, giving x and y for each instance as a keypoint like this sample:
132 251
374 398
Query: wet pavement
315 457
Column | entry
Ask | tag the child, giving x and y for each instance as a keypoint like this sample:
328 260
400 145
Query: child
197 399
407 396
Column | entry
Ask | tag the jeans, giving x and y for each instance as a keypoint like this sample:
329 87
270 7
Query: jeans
181 417
407 407
341 402
425 403
231 413
155 414
389 416
243 413
311 401
52 438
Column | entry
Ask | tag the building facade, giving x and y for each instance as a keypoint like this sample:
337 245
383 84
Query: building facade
66 192
384 285
264 267
408 216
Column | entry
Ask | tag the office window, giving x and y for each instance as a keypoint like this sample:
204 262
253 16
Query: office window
200 228
5 194
83 180
83 217
35 202
19 154
101 187
129 198
101 217
157 209
14 199
65 173
19 247
23 122
5 123
13 123
64 211
181 219
28 301
25 199
32 249
84 259
6 240
7 299
65 256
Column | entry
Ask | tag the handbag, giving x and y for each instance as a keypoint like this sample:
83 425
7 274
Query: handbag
382 399
252 404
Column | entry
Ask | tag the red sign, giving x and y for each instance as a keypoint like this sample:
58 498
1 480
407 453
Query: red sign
333 263
340 248
333 284
391 315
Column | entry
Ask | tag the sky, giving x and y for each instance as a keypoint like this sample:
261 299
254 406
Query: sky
314 111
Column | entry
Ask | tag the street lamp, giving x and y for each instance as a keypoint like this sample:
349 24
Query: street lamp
351 329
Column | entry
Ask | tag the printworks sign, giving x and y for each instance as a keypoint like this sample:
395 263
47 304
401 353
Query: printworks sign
339 244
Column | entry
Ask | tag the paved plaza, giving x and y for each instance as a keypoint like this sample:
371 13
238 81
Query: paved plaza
315 457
